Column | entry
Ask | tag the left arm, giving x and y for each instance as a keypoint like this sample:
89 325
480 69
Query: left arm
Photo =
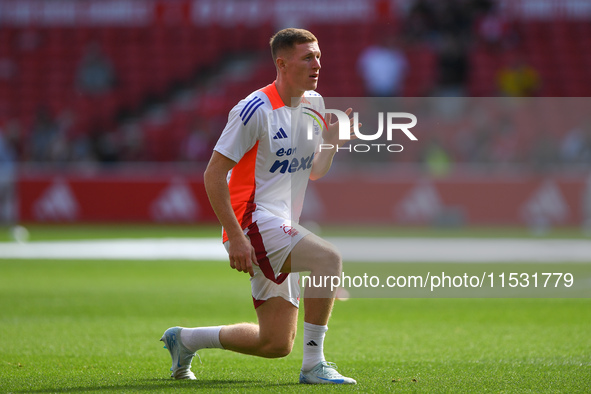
322 162
323 158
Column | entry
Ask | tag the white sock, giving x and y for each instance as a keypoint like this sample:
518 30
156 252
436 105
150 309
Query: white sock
313 345
201 338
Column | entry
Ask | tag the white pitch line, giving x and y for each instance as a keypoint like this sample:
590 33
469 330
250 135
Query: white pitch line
118 249
463 250
353 249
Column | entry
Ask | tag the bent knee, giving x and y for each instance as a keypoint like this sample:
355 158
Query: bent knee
316 255
332 259
277 349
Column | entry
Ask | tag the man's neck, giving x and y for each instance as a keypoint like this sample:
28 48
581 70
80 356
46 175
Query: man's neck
287 93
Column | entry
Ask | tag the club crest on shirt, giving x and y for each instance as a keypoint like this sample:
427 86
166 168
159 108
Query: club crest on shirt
316 128
289 230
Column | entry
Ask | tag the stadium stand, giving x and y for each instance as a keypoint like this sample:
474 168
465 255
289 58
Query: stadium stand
166 73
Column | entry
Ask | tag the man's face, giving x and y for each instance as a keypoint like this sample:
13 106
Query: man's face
303 66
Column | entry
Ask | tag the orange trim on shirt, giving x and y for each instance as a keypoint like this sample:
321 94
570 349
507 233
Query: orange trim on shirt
242 183
273 95
242 187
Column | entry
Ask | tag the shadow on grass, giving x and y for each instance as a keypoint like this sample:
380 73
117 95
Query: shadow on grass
157 384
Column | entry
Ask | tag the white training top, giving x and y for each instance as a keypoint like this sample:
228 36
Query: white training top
269 142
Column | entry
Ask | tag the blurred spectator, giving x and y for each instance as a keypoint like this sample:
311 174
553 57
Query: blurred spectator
95 73
544 155
105 146
60 149
452 17
473 140
452 63
518 79
504 148
51 137
430 20
437 160
493 30
198 146
420 22
7 177
45 130
576 145
13 137
7 152
132 144
81 150
383 68
480 146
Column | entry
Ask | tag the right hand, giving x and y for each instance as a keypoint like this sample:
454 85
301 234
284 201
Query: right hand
242 255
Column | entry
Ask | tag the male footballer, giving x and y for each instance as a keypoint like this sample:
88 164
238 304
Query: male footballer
256 181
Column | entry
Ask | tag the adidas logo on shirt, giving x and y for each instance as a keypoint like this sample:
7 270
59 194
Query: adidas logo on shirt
280 134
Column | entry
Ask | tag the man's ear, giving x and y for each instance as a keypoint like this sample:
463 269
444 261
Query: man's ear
280 63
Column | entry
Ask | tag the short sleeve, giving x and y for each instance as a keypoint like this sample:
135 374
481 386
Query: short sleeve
246 123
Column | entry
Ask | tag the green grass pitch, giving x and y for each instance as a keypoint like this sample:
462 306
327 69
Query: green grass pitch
94 326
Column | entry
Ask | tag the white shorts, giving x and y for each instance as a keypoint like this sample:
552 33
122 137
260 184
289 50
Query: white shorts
273 239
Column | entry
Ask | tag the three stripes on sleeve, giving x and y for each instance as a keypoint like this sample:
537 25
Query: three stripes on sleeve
250 108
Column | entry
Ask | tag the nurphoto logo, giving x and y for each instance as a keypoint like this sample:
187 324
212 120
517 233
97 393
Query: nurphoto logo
392 124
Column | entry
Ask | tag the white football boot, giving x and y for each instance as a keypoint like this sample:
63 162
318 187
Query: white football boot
324 373
181 356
